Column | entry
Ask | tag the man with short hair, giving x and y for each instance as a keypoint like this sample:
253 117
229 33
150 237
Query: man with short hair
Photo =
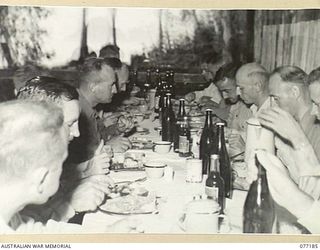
289 90
210 95
252 81
33 147
110 51
76 195
314 89
32 150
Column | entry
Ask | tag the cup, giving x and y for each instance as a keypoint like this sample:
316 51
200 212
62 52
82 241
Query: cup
162 147
154 170
143 108
194 170
201 217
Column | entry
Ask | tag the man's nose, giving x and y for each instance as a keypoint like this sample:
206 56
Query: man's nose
75 131
114 89
238 90
314 110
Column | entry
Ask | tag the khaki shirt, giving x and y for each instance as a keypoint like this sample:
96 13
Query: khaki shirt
82 148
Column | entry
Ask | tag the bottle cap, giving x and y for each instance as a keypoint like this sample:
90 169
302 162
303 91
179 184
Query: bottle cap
209 110
181 99
220 124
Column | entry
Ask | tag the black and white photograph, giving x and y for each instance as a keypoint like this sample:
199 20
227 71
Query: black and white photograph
166 121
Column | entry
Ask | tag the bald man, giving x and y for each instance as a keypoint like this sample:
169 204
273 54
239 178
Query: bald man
252 82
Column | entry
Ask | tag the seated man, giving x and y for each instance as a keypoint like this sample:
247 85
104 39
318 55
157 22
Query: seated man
30 172
96 86
289 88
239 112
210 95
76 195
33 148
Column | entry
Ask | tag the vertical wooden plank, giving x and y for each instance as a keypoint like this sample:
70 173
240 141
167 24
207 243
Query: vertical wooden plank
281 42
257 36
307 45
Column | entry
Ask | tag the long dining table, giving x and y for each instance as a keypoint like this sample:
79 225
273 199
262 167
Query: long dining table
173 191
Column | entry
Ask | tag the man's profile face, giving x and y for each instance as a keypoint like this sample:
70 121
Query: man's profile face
71 113
228 89
314 89
51 181
123 77
105 89
281 94
246 88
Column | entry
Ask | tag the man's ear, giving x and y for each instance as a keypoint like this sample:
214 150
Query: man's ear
39 178
92 87
295 91
258 86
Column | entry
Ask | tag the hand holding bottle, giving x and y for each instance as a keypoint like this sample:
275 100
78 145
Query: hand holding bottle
283 189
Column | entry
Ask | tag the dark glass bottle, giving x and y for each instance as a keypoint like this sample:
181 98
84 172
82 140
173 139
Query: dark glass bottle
181 114
162 98
158 91
148 78
184 138
206 142
171 83
146 88
214 184
168 120
258 212
225 168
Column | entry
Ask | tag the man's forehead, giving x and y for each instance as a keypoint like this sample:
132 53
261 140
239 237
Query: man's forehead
315 91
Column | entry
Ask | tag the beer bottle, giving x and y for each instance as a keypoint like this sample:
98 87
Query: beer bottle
206 142
168 120
171 83
148 78
258 212
180 116
158 91
225 168
214 184
184 138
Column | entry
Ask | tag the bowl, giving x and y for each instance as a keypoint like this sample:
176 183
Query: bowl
162 147
154 170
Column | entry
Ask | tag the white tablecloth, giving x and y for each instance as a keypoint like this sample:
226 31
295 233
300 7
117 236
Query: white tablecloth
173 195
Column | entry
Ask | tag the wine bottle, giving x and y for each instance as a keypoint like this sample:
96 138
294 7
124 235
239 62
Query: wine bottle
214 184
168 120
206 142
225 168
158 91
258 212
181 114
184 138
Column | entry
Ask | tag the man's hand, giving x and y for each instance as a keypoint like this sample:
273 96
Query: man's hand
282 123
119 144
110 118
283 189
190 97
132 101
90 193
99 164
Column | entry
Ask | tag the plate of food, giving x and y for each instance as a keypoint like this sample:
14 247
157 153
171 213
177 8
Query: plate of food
132 160
133 199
